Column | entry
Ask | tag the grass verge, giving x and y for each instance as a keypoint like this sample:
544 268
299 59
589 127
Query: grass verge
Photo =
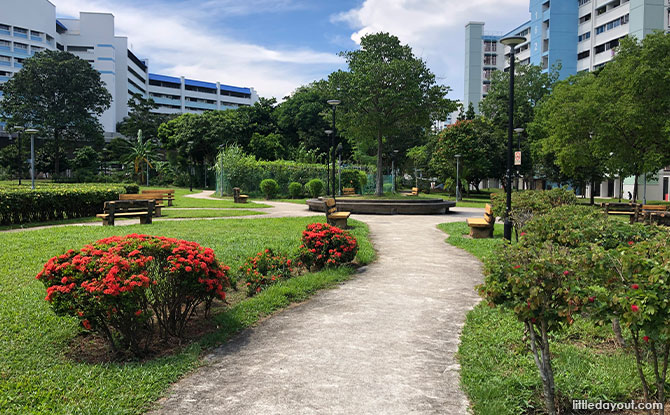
36 374
206 213
497 369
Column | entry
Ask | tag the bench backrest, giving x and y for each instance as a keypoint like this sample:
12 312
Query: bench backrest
131 196
128 206
166 193
621 207
488 214
415 190
331 206
660 208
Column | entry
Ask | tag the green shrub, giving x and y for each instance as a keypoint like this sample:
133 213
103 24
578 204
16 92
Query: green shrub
324 246
315 187
132 188
269 187
352 178
295 190
55 202
121 287
528 203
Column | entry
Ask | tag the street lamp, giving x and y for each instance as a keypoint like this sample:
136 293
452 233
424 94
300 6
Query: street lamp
458 192
190 167
31 132
394 154
512 42
518 131
333 103
18 130
329 133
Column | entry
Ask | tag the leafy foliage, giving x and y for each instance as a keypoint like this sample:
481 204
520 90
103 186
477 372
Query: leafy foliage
295 190
324 245
315 187
264 269
269 187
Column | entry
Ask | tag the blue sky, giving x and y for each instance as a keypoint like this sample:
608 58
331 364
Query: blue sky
275 46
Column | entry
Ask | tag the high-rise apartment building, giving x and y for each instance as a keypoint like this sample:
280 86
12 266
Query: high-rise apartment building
28 27
575 35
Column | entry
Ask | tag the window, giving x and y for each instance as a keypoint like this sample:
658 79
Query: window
488 73
600 29
524 32
490 45
584 36
486 88
490 59
60 47
4 45
80 48
4 29
584 55
585 18
583 2
20 32
20 47
5 60
601 10
165 84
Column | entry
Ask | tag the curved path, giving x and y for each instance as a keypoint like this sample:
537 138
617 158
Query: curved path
382 343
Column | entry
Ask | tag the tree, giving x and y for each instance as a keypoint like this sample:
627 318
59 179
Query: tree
387 93
565 126
86 163
142 117
531 84
470 113
58 93
266 147
141 151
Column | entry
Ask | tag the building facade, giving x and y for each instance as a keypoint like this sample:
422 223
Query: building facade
28 27
573 36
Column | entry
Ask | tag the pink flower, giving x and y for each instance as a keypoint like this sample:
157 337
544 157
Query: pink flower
566 273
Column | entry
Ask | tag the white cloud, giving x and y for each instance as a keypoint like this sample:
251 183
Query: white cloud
177 43
435 29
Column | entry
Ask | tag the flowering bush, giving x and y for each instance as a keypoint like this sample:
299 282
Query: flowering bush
325 245
122 286
265 268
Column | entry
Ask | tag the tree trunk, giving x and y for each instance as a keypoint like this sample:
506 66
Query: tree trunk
57 153
593 192
635 189
379 191
616 328
542 357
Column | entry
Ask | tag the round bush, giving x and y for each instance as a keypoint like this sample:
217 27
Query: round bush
269 187
315 187
325 245
295 190
264 269
124 287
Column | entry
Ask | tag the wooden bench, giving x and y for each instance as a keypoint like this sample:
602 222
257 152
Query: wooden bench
658 218
237 197
348 191
632 210
163 194
335 217
647 211
143 209
415 191
482 227
158 202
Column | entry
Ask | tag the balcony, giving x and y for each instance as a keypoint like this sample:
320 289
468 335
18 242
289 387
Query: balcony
36 38
4 78
4 32
200 105
5 63
22 35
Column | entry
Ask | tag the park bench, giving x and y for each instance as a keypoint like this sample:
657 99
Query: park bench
114 209
158 205
335 217
415 191
647 211
348 191
632 210
237 197
163 194
657 218
482 227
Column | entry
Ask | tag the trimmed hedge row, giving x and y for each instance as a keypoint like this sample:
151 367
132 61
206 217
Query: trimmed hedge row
54 202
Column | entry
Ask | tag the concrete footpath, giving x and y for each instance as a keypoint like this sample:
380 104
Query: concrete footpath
382 343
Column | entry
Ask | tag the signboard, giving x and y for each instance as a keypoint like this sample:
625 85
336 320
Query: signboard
517 158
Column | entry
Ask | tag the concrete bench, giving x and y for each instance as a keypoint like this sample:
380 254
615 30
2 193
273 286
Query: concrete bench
415 191
335 217
482 227
237 197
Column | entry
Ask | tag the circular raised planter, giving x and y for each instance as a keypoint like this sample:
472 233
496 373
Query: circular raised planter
386 206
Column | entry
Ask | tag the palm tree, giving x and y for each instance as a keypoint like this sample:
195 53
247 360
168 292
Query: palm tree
141 152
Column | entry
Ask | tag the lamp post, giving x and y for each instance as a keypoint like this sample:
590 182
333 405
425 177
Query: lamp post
31 132
190 165
512 42
338 151
333 103
458 192
518 131
329 133
18 130
394 154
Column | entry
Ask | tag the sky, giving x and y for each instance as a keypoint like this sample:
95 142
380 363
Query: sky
276 46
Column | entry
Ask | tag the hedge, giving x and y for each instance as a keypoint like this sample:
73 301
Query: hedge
56 202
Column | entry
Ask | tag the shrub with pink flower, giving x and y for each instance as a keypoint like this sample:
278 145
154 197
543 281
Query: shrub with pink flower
264 269
324 245
123 287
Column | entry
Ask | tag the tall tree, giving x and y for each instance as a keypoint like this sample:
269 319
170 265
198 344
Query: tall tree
142 116
387 92
58 93
142 152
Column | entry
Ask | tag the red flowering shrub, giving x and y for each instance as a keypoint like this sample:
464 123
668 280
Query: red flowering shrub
324 245
264 269
121 287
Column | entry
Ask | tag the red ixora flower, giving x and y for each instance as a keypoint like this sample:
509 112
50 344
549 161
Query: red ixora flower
523 233
646 339
566 273
635 286
517 266
634 308
630 242
87 324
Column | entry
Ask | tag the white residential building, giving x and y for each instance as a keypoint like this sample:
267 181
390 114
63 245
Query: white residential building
30 26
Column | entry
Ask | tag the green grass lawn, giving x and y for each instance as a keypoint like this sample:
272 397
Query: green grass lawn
36 374
180 200
206 213
497 369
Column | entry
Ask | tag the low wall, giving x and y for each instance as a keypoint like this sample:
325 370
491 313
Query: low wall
387 207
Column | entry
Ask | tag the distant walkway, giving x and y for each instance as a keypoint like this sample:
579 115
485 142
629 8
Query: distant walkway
382 343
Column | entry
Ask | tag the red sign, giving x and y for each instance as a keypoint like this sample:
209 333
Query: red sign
517 158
